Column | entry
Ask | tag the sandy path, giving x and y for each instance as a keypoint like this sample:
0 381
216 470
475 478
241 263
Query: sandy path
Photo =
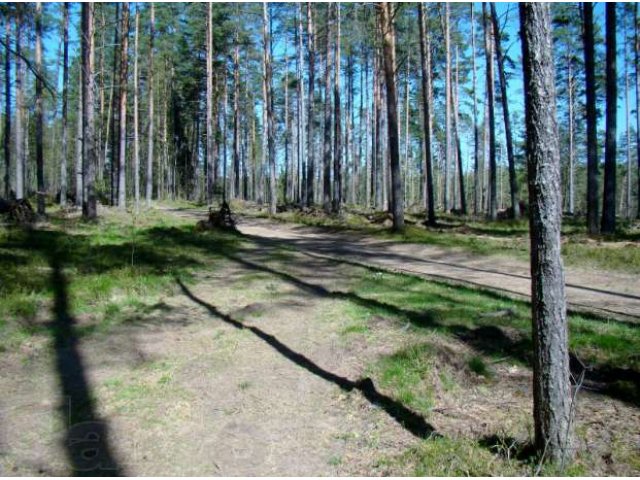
612 294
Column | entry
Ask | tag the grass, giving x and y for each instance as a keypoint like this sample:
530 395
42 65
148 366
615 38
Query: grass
114 267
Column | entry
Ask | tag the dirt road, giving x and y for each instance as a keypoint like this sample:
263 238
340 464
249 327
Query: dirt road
611 294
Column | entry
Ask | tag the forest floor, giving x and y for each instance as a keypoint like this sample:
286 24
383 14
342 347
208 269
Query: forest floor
161 350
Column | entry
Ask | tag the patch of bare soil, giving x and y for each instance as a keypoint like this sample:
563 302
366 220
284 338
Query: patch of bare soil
612 294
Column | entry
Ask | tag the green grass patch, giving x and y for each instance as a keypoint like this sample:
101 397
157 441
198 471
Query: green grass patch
112 269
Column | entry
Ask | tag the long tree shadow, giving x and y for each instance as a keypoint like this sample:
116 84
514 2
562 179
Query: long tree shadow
620 383
87 435
410 420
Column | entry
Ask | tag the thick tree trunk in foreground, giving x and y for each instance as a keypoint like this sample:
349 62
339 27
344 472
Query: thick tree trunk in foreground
493 206
122 149
513 182
591 118
89 208
552 407
425 64
39 113
389 60
609 197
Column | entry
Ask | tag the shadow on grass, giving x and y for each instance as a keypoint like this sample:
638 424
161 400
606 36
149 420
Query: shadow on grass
87 435
410 420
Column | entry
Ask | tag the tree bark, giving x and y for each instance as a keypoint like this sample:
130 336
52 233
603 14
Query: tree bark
551 385
492 207
309 193
136 139
609 197
273 191
463 198
337 136
447 144
591 119
513 182
637 62
39 114
389 60
326 144
477 186
7 110
79 173
89 208
425 64
236 118
209 164
122 149
301 163
150 139
65 88
19 138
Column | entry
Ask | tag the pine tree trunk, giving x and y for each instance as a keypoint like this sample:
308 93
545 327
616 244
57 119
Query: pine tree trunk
287 170
89 209
150 135
208 48
326 144
236 119
7 110
477 185
637 62
65 88
79 170
552 406
273 191
591 120
136 139
492 207
628 125
122 149
513 182
609 197
309 191
19 138
39 113
389 58
337 136
425 64
463 198
115 102
447 120
301 162
571 146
